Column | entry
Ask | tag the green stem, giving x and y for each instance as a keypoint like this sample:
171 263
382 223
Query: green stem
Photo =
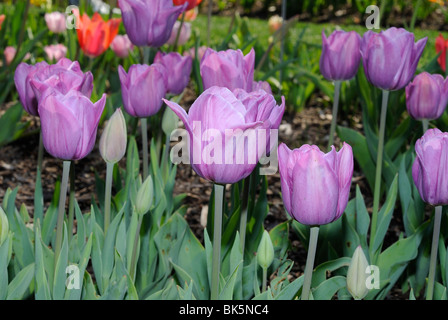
108 195
71 201
216 262
425 125
379 165
144 124
434 246
209 21
337 91
265 279
282 42
62 199
414 15
134 249
243 218
182 20
314 234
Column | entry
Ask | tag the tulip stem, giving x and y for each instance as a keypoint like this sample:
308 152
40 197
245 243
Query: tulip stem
145 147
314 233
182 20
71 201
265 279
434 246
243 218
108 195
337 91
216 260
379 165
62 199
425 124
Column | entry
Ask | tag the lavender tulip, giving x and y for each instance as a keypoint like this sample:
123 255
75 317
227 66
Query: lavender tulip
229 68
143 88
149 22
32 80
427 96
218 124
390 58
340 56
315 186
429 170
69 123
178 70
263 85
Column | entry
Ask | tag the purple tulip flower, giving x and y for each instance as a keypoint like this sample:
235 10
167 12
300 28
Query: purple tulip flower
69 123
340 56
142 89
390 58
430 168
427 96
224 132
178 70
229 68
33 80
315 186
149 22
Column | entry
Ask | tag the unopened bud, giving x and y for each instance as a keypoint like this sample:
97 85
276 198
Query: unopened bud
145 197
357 276
265 252
169 121
114 138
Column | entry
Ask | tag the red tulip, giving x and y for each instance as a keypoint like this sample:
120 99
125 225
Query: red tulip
191 3
95 35
441 45
2 18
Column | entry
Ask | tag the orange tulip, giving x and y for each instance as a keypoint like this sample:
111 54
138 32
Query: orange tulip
95 35
2 18
191 3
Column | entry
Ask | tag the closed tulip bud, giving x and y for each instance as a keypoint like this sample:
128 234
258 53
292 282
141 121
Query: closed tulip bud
265 251
178 70
143 88
69 123
357 276
145 195
55 21
4 226
184 35
315 185
169 121
121 46
149 22
390 58
10 54
340 56
229 68
114 138
430 168
427 96
224 132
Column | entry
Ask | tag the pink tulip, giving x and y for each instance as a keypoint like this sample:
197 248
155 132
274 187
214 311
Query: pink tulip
184 35
10 53
122 46
55 22
55 52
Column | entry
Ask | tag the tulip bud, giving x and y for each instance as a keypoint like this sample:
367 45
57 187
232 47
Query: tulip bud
169 121
4 226
356 275
145 197
265 251
114 138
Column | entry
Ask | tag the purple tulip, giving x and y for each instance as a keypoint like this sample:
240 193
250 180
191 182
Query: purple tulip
340 56
178 70
32 80
427 96
69 123
229 68
390 58
142 89
224 132
264 85
149 22
315 186
430 168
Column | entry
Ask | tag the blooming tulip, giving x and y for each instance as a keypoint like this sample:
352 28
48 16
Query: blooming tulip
390 58
427 96
69 123
191 3
429 170
143 88
55 52
32 80
149 22
178 70
184 34
340 56
229 68
441 45
220 116
55 21
315 186
114 138
95 35
121 45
